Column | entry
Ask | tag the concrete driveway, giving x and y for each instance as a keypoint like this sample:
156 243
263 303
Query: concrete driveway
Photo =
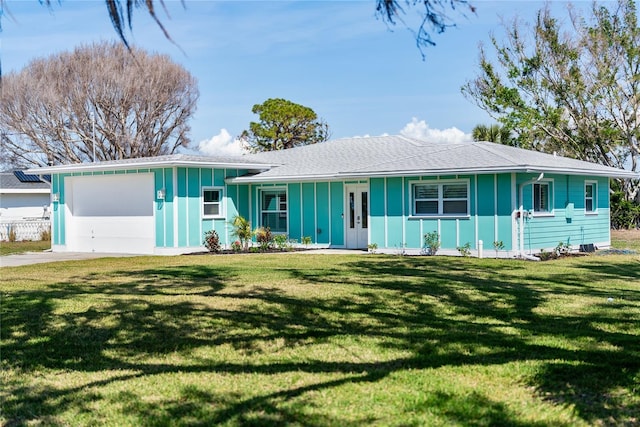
29 258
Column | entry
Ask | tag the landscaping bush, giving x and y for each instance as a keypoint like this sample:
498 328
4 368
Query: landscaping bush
212 241
432 242
264 238
242 230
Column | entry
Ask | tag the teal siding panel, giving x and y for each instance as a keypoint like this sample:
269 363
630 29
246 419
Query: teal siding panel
394 197
337 213
467 232
413 237
158 178
295 211
395 218
182 218
57 186
448 234
573 228
377 222
169 200
323 205
309 210
62 212
193 207
206 177
505 207
243 202
218 177
231 202
486 195
603 193
486 200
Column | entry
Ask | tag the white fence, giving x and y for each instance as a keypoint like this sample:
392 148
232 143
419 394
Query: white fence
25 229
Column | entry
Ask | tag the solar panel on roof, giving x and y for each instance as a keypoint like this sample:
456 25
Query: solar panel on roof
23 177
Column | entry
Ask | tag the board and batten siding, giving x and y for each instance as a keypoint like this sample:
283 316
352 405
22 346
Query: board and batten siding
393 226
178 216
314 209
568 222
191 226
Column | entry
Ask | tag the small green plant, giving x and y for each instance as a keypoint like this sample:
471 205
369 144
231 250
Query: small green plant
264 238
562 249
281 242
45 234
236 246
545 256
212 241
242 230
465 250
432 242
498 245
306 241
373 247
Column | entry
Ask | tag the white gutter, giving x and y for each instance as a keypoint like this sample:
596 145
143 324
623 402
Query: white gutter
25 191
103 166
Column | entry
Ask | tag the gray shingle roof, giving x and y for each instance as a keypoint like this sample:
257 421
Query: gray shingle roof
370 156
9 181
399 155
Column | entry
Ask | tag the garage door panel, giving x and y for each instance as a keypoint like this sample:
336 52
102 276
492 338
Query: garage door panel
114 195
109 234
111 213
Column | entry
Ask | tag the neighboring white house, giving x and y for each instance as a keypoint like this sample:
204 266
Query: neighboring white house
23 196
25 206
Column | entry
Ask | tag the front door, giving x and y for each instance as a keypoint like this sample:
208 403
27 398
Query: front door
357 216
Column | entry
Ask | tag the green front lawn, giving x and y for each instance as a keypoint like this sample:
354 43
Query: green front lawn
315 340
9 248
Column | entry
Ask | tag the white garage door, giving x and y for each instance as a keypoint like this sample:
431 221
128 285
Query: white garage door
110 213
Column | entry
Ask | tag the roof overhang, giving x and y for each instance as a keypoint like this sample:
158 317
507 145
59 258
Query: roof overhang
25 190
432 172
107 166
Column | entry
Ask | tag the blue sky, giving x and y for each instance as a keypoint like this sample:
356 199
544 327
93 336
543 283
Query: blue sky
335 57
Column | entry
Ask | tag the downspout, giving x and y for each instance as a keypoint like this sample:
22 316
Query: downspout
522 222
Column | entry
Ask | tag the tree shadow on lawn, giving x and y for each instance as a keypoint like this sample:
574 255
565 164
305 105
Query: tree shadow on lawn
444 312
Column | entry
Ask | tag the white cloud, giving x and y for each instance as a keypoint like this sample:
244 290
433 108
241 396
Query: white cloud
222 144
420 129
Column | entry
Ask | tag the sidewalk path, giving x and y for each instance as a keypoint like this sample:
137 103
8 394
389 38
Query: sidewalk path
28 258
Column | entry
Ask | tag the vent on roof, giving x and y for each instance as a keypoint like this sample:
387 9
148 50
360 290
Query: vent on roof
23 177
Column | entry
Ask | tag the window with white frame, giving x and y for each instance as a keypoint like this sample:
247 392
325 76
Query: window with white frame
212 202
441 198
590 197
542 197
273 210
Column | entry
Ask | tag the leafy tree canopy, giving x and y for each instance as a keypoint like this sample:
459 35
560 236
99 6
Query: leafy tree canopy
284 124
569 85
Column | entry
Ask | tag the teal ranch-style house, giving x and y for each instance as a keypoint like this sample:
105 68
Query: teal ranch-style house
386 191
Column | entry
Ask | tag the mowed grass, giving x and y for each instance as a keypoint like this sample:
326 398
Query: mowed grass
321 340
8 248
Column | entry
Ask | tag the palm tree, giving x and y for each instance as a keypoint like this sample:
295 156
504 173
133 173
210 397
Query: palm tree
493 133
